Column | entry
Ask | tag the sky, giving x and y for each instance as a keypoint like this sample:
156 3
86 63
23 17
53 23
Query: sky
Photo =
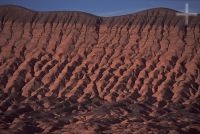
104 7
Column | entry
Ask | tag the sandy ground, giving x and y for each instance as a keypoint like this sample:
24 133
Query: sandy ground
72 72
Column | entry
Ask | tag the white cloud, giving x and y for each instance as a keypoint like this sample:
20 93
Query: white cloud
114 13
120 12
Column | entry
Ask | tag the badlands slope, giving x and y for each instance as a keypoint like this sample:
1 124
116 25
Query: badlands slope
72 72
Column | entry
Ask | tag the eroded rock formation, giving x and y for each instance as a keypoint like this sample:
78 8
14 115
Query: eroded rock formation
76 72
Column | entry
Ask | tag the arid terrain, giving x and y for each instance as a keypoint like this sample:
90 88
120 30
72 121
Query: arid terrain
73 72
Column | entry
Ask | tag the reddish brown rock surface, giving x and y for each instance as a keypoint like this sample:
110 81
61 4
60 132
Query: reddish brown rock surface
78 73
